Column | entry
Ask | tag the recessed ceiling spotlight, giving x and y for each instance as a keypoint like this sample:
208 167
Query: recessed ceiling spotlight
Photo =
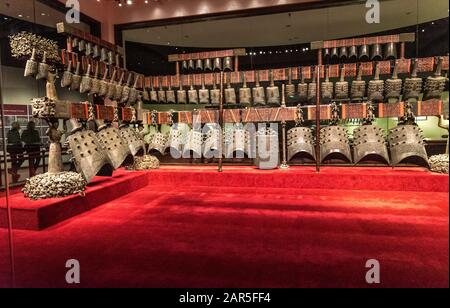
129 2
20 15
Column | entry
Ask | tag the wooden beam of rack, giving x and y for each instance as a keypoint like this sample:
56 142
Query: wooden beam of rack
347 111
208 55
397 38
425 65
63 28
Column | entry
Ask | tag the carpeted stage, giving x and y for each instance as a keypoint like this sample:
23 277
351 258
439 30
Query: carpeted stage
194 227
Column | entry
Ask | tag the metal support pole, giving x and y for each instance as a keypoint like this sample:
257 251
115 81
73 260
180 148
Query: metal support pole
7 192
221 123
284 165
319 66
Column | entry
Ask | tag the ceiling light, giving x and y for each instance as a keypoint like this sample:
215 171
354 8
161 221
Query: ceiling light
129 2
20 15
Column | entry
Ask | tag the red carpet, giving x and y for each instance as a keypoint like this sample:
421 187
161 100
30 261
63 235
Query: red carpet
173 233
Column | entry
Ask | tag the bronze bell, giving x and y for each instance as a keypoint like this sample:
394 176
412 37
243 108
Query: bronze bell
326 54
217 64
208 65
227 64
334 54
376 54
353 53
364 53
390 51
199 65
184 66
191 65
343 54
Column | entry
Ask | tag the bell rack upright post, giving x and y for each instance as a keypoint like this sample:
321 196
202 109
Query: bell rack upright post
7 191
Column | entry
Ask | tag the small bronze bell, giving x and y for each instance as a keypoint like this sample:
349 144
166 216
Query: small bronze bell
88 49
119 88
86 81
191 66
199 65
326 54
95 52
353 54
312 87
273 92
335 55
364 53
327 87
343 53
162 99
170 94
104 84
215 92
184 66
217 64
181 94
375 89
413 85
290 87
43 68
227 64
66 79
203 93
31 68
103 55
112 85
126 90
390 51
208 65
302 89
230 92
76 78
259 96
192 93
245 94
376 54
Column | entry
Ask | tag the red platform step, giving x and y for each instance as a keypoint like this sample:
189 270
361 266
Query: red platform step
38 215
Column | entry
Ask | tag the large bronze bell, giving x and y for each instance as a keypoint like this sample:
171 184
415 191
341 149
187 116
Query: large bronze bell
364 53
228 64
390 51
376 53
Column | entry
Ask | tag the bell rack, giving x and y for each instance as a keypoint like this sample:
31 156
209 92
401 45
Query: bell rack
63 28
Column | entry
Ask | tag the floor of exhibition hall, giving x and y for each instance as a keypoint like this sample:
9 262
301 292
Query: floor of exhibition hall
195 227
